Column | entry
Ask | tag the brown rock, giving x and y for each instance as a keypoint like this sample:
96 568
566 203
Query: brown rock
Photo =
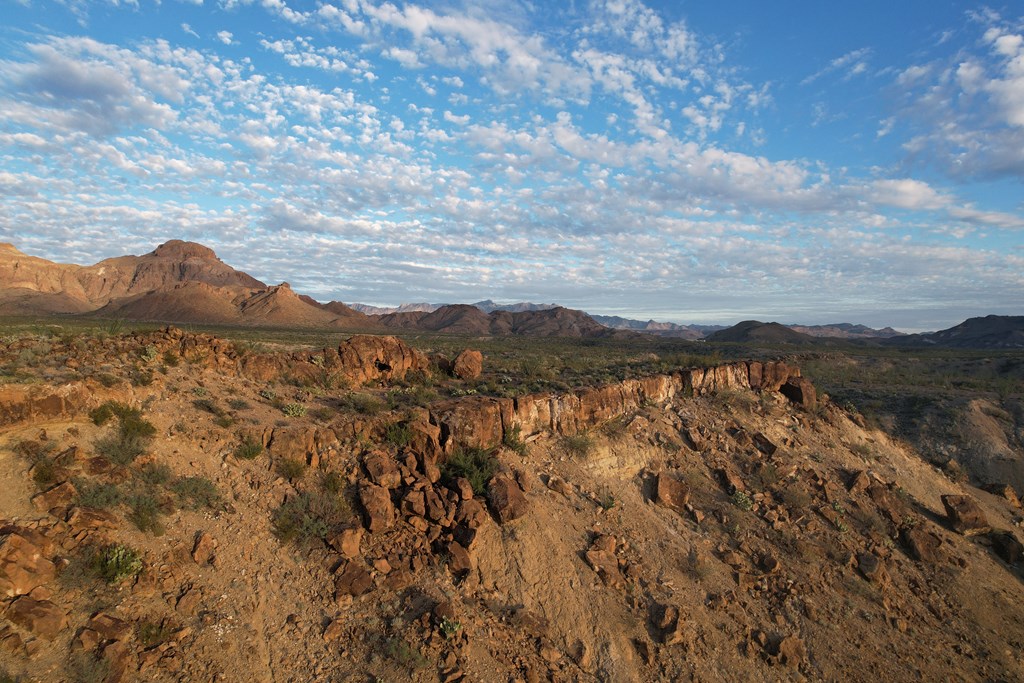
383 470
464 488
871 567
859 482
380 512
965 516
1007 492
90 518
472 513
56 499
188 602
468 364
334 632
764 444
601 558
791 652
415 503
352 580
923 546
672 493
1007 546
367 358
506 499
800 391
41 617
434 504
110 627
559 485
203 549
347 542
23 566
460 562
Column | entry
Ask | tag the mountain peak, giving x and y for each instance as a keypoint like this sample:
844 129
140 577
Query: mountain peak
182 250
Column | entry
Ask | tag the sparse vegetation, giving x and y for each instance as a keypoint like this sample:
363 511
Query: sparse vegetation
294 409
310 515
477 465
129 440
742 500
117 563
578 445
100 495
196 492
291 468
405 655
398 435
248 449
145 513
512 439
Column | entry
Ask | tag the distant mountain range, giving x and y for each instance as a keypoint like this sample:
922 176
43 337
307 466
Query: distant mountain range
185 282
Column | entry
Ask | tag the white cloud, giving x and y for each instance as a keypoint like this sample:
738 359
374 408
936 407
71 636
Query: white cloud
225 37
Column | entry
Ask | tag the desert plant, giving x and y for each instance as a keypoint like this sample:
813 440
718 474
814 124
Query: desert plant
405 655
248 449
238 404
742 500
332 482
154 474
364 404
118 562
291 468
512 439
310 515
44 473
151 634
477 465
294 409
606 500
131 438
578 445
450 628
196 492
171 359
397 434
99 495
145 513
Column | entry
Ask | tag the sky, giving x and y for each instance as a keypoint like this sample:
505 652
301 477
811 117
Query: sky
805 162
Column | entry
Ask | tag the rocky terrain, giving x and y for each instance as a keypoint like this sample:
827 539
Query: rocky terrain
180 507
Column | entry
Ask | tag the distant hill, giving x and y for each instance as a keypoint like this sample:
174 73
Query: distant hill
845 331
653 327
989 332
487 306
759 332
469 319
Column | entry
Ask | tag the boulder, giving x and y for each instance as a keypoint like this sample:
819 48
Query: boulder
1006 492
601 558
57 499
871 567
460 562
383 470
380 511
800 391
347 542
23 565
203 548
1007 546
468 364
41 617
672 493
366 358
506 499
109 627
965 516
923 546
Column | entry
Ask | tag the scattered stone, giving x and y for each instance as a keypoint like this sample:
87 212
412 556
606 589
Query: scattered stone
41 617
109 627
965 516
923 546
23 566
468 364
352 580
506 499
464 488
334 632
859 482
347 542
91 519
672 493
601 558
204 548
764 444
791 652
559 485
871 567
188 602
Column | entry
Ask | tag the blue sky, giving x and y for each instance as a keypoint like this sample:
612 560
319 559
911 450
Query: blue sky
682 161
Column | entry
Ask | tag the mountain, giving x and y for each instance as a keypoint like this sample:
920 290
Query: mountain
658 328
989 332
759 332
487 306
176 282
469 319
845 331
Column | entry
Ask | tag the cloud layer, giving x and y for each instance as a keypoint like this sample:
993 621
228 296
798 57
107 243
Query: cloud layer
606 158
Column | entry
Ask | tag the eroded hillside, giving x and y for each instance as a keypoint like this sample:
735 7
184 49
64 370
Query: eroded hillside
179 507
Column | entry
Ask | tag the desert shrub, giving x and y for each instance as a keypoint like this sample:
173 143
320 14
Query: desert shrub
742 500
332 482
149 353
171 359
87 667
238 404
606 500
477 465
120 450
397 435
145 513
450 628
405 655
291 468
151 634
140 377
199 391
364 404
154 474
268 394
130 439
310 515
322 414
735 399
294 409
196 492
795 498
248 449
118 562
100 495
224 421
766 476
578 445
512 439
44 473
6 677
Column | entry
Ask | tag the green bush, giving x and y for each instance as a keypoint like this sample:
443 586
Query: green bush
196 492
477 465
171 359
294 409
512 439
310 515
145 513
99 495
397 435
578 445
118 562
154 474
742 500
249 449
291 468
364 404
44 473
238 404
131 438
332 482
